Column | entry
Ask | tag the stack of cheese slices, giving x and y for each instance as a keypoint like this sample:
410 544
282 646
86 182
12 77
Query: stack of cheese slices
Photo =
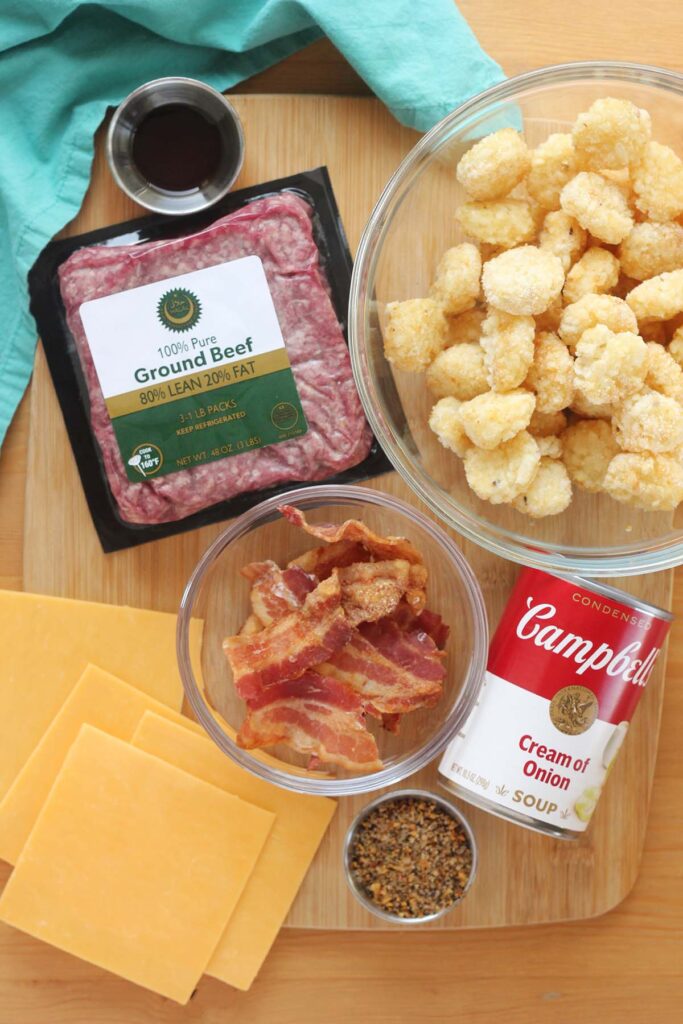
136 844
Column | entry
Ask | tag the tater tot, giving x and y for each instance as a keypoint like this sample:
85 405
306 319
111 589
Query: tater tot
590 410
552 340
599 206
609 366
456 285
663 372
415 333
508 344
612 133
588 447
553 164
492 418
621 178
595 309
537 211
523 281
659 298
493 166
595 273
445 423
563 236
675 347
503 223
547 424
649 422
651 249
551 375
658 183
645 480
501 474
458 371
464 327
548 494
549 447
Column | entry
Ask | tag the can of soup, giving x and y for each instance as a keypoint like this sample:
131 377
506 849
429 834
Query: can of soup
566 668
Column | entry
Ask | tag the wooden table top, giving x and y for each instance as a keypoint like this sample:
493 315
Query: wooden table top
623 965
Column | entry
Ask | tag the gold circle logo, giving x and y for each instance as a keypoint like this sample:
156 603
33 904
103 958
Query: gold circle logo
573 709
179 309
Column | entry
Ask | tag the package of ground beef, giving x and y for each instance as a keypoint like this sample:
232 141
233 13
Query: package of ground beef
201 365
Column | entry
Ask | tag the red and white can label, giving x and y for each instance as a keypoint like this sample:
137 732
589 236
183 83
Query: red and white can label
566 669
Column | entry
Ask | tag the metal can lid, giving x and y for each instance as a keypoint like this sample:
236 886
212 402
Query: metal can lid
618 595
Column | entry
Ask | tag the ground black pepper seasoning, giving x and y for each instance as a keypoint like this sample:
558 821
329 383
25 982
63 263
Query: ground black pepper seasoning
410 857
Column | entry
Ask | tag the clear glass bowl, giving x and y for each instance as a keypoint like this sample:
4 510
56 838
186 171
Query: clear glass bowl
217 593
412 225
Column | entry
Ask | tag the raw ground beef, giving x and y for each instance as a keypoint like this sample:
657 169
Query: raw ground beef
278 229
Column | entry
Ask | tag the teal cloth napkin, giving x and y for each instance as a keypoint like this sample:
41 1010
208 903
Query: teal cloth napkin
63 62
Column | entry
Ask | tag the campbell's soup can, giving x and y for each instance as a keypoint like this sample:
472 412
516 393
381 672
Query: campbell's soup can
566 669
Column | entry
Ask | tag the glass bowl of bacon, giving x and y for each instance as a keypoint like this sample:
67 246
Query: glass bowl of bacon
344 642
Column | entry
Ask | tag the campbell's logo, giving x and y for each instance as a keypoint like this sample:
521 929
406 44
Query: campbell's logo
556 636
538 626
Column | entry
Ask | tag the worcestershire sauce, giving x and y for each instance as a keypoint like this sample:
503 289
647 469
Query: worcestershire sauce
177 148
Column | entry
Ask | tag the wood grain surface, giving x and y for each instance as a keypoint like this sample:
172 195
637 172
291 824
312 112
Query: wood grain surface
624 965
593 874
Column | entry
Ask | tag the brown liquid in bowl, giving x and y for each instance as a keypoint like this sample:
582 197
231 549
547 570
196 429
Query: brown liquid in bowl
177 148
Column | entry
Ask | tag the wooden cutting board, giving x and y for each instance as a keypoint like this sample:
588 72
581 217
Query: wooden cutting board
523 878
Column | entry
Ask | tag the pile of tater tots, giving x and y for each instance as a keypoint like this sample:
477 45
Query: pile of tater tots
552 343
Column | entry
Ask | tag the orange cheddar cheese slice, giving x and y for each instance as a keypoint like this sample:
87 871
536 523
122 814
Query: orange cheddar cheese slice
98 699
300 823
46 643
134 865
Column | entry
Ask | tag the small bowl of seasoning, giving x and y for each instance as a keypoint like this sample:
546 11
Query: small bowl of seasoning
175 145
410 856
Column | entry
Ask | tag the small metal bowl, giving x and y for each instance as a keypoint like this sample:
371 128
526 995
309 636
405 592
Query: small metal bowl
400 794
132 111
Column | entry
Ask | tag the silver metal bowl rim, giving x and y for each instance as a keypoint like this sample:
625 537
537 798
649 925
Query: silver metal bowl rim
516 548
166 202
399 794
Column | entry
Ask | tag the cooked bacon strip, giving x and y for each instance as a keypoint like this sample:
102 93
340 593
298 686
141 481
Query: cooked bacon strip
312 660
372 590
392 671
252 625
354 530
315 716
413 648
290 646
427 621
433 624
391 723
254 571
276 592
321 561
416 592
